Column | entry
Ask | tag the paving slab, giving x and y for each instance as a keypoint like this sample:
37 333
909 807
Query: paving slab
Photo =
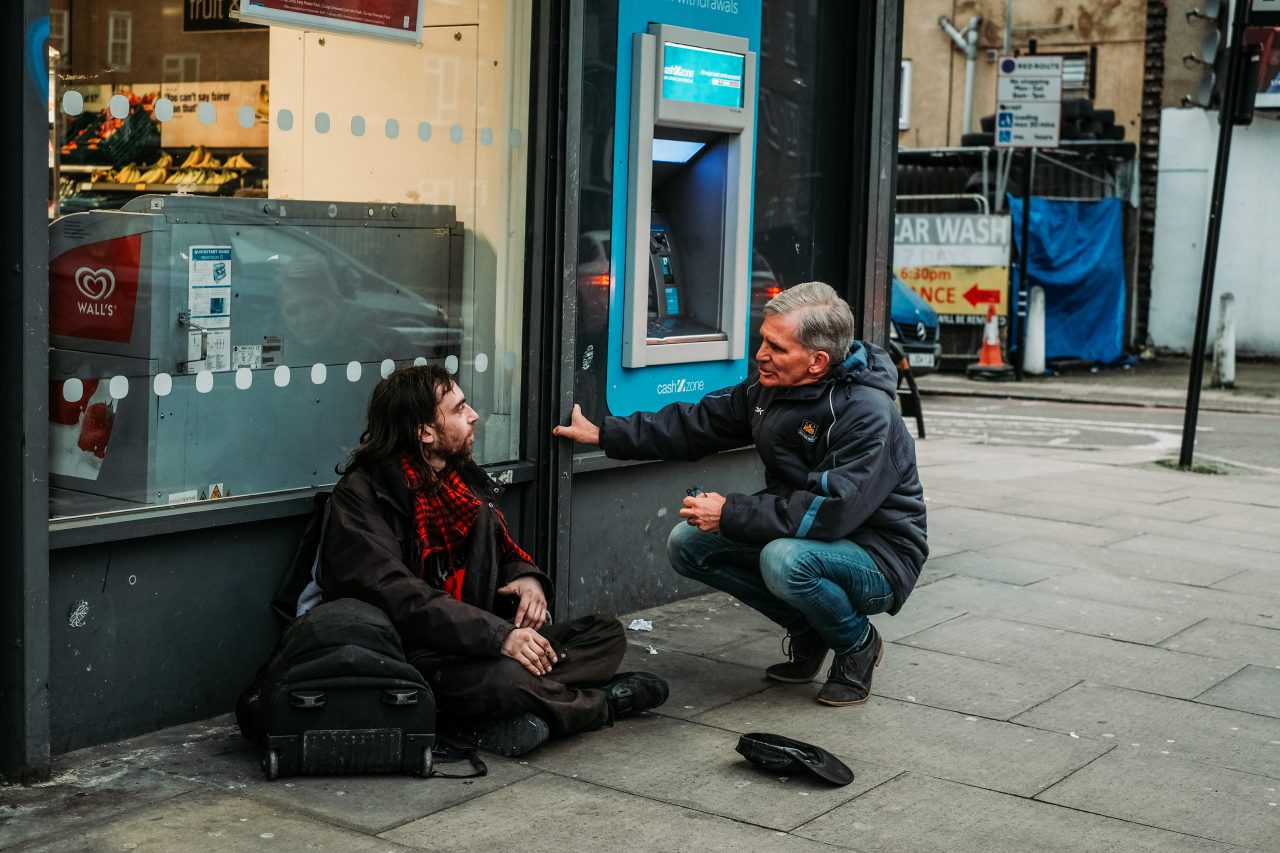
1088 506
1160 726
1265 582
1245 518
700 770
1222 552
915 813
1124 563
963 685
700 624
1218 638
1106 587
1098 659
79 796
1034 606
1255 689
994 567
973 529
213 822
963 748
1262 491
1182 796
697 684
550 812
1255 540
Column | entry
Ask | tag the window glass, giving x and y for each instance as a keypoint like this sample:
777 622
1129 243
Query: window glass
249 226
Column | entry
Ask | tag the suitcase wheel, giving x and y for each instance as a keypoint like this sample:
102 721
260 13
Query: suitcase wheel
271 764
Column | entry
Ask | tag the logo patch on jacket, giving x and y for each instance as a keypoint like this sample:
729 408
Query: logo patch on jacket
808 430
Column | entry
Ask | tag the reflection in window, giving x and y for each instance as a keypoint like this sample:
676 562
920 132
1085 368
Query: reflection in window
120 40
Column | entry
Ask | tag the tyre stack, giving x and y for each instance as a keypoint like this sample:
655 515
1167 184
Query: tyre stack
1080 123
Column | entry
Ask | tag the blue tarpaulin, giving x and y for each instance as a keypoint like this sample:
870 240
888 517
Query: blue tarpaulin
1077 256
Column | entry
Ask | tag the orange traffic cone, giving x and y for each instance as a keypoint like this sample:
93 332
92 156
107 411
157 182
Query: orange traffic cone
990 364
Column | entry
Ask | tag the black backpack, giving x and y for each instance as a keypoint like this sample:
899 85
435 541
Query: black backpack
338 696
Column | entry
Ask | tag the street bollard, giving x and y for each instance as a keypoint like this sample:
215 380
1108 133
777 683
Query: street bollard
1033 354
1224 344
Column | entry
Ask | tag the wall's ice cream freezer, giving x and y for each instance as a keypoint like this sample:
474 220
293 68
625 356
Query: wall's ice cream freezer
201 346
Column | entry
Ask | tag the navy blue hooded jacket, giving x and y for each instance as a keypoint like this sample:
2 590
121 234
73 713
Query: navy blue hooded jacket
839 462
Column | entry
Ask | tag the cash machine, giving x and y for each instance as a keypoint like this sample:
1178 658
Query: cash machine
683 215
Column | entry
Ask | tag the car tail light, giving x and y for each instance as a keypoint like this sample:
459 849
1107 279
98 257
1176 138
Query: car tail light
772 290
601 280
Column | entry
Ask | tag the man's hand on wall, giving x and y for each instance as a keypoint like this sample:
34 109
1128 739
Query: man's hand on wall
579 429
703 511
532 650
533 602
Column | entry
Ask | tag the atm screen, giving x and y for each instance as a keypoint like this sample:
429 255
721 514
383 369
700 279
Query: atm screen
700 75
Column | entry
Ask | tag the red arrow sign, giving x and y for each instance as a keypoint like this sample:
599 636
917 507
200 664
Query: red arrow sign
974 295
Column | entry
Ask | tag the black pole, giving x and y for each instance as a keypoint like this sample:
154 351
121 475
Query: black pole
1017 329
1226 124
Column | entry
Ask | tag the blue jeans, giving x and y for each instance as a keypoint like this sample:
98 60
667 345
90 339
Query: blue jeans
798 583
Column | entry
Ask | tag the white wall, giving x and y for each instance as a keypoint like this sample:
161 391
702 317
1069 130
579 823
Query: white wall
1249 245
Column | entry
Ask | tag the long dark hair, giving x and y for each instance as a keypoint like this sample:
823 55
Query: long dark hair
402 403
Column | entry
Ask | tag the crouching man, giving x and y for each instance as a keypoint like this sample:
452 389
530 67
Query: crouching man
838 533
412 528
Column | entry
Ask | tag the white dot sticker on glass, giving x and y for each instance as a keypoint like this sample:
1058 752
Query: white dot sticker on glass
118 387
455 134
424 131
206 113
72 102
322 122
163 384
419 362
391 128
353 371
509 361
118 106
281 375
163 109
451 364
515 138
486 136
244 378
482 362
357 125
386 367
246 117
204 381
72 390
319 373
284 119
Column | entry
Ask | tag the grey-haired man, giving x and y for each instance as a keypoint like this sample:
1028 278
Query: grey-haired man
838 532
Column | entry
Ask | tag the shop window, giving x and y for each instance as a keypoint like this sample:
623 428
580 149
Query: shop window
120 40
60 33
228 282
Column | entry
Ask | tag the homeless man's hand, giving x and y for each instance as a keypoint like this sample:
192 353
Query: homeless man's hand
532 650
703 511
533 602
579 429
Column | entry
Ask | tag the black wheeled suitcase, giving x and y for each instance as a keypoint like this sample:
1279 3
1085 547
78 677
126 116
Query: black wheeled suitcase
338 697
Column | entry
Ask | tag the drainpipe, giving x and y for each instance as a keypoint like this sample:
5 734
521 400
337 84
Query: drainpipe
968 43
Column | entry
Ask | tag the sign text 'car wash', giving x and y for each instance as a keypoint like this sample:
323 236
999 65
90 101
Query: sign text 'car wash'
958 262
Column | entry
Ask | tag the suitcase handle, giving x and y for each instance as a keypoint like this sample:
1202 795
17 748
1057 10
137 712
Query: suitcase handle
400 696
307 699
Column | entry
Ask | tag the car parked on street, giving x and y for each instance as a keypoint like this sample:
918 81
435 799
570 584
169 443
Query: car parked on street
914 328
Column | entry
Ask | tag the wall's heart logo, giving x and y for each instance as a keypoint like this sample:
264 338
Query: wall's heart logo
95 284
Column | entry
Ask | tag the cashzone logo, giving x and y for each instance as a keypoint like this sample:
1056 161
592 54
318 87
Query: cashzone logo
679 386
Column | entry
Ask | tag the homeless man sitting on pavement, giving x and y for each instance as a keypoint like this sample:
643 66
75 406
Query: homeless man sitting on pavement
839 531
412 528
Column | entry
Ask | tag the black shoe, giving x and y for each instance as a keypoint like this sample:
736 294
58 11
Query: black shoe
630 693
849 681
510 737
806 650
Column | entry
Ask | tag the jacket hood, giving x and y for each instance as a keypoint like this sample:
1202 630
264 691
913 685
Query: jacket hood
867 364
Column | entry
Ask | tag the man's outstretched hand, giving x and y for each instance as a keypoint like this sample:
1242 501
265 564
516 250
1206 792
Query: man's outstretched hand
703 511
533 601
532 650
579 429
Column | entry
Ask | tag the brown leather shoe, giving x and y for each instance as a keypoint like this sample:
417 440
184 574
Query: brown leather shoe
806 651
849 680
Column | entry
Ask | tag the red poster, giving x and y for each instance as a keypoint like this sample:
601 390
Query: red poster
394 19
93 290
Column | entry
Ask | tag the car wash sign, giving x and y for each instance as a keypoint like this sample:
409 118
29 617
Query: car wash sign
958 262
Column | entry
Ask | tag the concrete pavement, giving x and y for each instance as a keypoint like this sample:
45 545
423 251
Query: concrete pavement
1092 662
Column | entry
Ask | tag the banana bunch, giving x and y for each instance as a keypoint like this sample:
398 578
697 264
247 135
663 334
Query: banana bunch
154 175
200 158
237 161
129 174
209 177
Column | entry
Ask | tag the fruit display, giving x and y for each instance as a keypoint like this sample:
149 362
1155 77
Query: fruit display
200 168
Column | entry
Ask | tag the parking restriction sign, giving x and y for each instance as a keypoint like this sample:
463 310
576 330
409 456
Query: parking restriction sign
1029 102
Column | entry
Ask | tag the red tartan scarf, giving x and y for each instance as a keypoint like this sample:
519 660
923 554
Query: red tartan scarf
443 518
